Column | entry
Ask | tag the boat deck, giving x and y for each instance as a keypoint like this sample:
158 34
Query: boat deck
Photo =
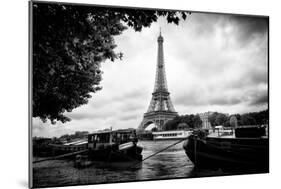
228 134
221 134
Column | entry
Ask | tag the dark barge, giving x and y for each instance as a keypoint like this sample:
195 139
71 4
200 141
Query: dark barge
114 146
106 146
243 148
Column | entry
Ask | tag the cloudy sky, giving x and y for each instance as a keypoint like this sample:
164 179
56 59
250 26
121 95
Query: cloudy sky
213 63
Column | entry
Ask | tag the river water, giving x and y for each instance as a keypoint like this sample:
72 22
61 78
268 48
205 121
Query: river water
171 163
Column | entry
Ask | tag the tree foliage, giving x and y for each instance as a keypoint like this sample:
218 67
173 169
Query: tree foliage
212 118
216 119
221 119
171 125
193 121
69 43
259 118
247 120
252 118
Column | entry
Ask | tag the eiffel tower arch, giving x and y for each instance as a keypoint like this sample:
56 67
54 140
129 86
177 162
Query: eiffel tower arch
160 109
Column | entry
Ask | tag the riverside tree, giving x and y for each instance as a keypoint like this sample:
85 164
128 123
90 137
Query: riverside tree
192 121
69 44
251 118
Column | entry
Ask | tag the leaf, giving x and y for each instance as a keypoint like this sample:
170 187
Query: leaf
52 71
183 15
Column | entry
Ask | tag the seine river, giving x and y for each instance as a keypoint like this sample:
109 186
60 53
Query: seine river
171 163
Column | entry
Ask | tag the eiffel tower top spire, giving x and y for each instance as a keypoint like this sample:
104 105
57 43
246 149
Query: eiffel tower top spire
160 38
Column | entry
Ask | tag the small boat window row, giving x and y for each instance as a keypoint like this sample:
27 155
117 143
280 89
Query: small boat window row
170 134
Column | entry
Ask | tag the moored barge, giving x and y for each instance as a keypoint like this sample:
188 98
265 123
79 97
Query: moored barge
107 146
114 146
243 148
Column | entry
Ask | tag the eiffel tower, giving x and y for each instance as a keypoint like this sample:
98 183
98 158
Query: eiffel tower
160 109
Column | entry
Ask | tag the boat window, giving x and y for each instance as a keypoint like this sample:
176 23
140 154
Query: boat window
124 137
114 137
92 138
102 138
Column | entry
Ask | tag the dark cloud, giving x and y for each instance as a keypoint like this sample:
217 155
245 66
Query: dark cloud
246 28
259 99
258 76
248 79
249 27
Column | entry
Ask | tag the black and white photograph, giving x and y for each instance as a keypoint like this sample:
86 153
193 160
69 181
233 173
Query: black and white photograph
126 94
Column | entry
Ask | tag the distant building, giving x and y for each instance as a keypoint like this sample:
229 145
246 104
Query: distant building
205 120
233 121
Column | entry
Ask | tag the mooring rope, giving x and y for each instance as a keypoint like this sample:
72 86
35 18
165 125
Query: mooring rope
158 152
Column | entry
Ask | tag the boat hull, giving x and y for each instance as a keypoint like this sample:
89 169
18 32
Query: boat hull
115 155
228 153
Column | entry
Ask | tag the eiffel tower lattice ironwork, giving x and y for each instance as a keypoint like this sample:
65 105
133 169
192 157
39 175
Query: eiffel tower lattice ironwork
160 109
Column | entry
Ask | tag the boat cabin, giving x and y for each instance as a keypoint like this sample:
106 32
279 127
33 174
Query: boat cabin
171 134
103 139
246 131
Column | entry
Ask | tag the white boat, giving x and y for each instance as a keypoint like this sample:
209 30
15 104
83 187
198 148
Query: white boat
171 135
